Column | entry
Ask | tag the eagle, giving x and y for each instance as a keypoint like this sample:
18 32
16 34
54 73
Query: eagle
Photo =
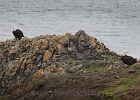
17 33
129 60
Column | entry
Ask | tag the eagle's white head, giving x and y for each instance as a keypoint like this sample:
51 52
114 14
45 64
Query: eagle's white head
14 28
125 52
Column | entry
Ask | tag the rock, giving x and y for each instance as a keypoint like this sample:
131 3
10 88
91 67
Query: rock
37 75
60 49
82 40
92 42
117 76
75 68
52 68
62 73
1 58
76 55
82 71
23 65
20 62
30 60
50 92
62 68
72 49
131 71
64 40
46 74
110 67
47 55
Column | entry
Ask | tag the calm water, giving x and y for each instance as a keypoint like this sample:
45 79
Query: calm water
114 22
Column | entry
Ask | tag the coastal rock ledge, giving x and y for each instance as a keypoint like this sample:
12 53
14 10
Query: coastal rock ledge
26 64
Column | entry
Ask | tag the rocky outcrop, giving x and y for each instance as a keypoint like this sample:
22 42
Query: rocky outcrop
28 60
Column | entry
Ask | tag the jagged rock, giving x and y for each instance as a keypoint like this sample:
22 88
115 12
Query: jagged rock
30 59
77 56
72 49
1 58
137 65
60 49
47 55
131 71
82 40
63 67
64 40
75 68
46 74
7 43
23 65
51 68
93 42
38 74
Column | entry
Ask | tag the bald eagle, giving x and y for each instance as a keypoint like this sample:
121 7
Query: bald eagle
129 60
17 33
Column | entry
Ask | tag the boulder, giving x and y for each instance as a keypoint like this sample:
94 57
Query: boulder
81 39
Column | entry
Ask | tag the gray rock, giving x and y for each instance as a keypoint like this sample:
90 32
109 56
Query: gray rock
75 68
131 71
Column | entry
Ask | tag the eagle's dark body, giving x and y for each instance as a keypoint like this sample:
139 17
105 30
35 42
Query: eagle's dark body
129 60
18 34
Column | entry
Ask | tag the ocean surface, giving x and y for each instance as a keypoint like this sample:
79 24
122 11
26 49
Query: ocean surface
114 22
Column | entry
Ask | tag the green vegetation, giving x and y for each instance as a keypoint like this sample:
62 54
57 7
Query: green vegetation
108 91
132 66
92 68
113 58
138 72
116 59
122 87
72 61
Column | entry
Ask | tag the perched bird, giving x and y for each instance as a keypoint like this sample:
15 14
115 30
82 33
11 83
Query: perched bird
129 60
17 33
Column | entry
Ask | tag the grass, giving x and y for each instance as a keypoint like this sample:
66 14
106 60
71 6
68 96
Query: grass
132 66
138 72
116 59
92 68
119 89
108 91
72 61
113 58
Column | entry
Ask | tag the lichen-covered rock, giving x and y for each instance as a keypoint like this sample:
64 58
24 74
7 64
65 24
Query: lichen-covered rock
51 68
38 74
28 60
47 55
93 42
82 40
75 68
1 57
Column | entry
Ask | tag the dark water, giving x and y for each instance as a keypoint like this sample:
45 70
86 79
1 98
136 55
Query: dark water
114 22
